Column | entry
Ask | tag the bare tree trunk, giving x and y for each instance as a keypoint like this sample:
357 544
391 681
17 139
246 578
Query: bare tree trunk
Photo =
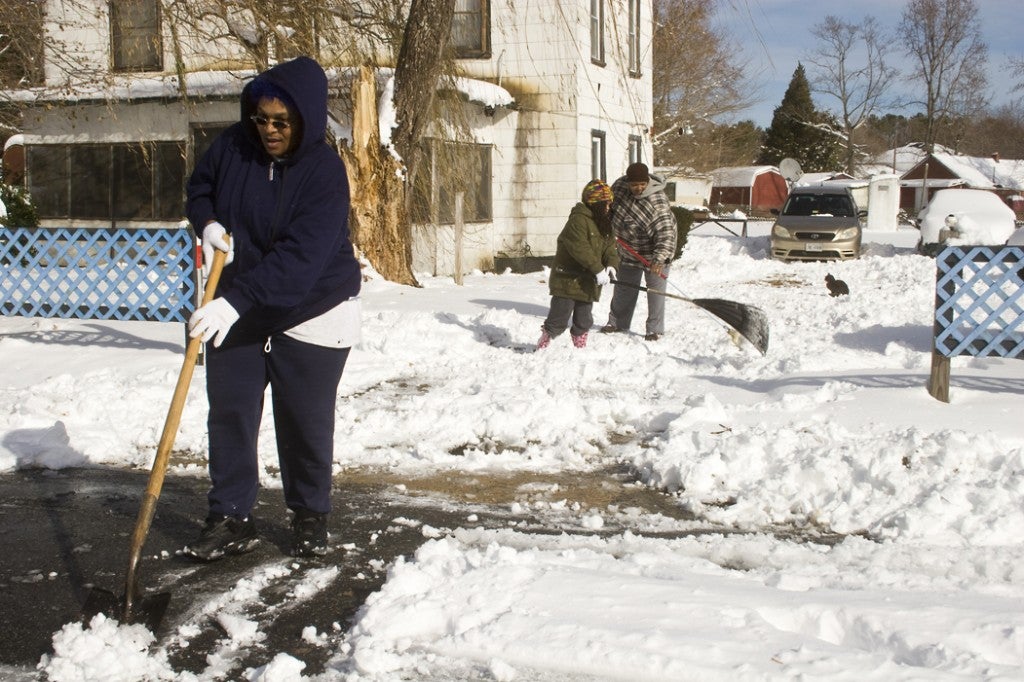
380 210
378 220
420 64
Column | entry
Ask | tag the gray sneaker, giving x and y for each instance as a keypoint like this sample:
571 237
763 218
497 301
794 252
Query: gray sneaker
223 535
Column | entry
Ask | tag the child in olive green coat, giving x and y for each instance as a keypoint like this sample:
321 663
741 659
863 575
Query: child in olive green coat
585 260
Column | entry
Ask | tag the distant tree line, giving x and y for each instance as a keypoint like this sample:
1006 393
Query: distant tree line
850 70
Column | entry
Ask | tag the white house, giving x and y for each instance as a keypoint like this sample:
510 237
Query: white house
686 189
146 97
1004 177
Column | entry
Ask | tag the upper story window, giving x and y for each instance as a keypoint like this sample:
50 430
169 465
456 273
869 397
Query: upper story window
597 31
636 147
634 38
21 44
471 29
598 164
135 43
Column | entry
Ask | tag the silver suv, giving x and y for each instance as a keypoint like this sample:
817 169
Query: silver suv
817 223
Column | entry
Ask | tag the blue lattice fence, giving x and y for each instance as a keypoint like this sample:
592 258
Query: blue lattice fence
98 273
979 307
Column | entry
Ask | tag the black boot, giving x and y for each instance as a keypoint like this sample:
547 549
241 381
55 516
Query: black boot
309 533
223 535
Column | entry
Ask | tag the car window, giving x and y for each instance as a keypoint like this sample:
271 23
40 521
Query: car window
837 205
818 204
800 204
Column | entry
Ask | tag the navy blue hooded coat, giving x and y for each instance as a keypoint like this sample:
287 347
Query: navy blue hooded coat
288 217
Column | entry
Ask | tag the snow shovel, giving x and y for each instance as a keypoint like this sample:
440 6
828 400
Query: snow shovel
133 607
750 322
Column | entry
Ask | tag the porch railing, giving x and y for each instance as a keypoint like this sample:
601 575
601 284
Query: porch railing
98 273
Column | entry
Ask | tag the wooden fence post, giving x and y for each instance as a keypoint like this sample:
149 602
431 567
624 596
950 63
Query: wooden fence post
938 382
459 228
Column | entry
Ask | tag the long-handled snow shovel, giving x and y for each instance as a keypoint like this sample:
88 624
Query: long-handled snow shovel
133 607
749 321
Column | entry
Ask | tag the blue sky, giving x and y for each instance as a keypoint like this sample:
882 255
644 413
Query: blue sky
783 38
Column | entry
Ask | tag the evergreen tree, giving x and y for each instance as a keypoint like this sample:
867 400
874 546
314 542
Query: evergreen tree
801 132
21 212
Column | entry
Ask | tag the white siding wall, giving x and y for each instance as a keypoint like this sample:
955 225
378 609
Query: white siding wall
81 30
542 159
540 53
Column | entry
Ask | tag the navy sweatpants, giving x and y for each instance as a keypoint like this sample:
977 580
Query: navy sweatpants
303 380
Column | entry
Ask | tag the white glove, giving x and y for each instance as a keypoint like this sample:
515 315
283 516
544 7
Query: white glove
213 320
213 238
605 276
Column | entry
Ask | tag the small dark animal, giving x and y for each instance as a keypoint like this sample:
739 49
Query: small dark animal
836 287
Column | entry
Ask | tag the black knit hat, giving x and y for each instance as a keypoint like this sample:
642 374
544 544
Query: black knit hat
637 172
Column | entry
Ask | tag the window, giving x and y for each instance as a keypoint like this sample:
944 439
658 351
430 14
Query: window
597 31
89 181
471 29
135 43
203 135
446 169
598 169
635 149
634 38
139 181
21 44
48 179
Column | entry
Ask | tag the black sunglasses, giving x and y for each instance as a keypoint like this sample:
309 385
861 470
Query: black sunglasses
275 123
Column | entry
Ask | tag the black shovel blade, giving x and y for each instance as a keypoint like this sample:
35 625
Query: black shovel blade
147 609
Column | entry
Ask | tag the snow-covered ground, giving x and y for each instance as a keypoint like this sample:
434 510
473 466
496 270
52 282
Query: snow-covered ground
832 431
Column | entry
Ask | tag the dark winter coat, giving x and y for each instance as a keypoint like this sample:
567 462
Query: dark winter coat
288 218
582 252
646 222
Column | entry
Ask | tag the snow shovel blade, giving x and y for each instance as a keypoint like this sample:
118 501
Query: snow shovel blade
147 610
748 320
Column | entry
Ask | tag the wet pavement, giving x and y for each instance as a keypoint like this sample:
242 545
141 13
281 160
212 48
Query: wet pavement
64 532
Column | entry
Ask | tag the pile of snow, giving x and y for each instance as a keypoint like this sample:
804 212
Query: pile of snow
831 432
969 216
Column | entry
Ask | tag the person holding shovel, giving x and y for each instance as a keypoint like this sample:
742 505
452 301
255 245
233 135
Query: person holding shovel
645 228
273 193
585 260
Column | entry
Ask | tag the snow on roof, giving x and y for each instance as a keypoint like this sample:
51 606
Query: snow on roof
14 140
485 93
985 172
829 179
906 157
812 179
739 176
933 183
213 84
199 84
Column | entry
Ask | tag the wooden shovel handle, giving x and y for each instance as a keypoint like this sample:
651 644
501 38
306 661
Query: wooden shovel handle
163 450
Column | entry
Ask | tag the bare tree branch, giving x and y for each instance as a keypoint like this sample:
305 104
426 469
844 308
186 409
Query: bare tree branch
697 83
849 65
943 37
